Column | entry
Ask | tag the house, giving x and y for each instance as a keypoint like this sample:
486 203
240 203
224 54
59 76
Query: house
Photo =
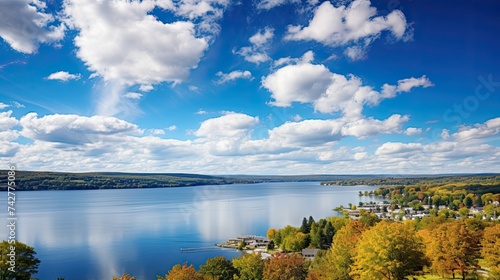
309 253
353 214
476 209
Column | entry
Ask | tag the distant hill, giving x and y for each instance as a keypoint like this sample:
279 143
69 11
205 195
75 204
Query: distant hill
39 180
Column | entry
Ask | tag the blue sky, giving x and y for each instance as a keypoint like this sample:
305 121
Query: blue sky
250 87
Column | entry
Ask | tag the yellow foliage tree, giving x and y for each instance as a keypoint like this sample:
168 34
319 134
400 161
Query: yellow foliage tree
183 272
250 267
491 249
336 265
125 276
388 251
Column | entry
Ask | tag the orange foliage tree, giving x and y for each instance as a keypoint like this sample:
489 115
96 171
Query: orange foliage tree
183 272
286 267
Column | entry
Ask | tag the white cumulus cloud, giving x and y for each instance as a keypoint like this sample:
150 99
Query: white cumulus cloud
24 24
257 52
356 26
73 129
146 88
234 75
229 125
133 95
398 148
143 50
63 76
302 82
355 52
329 92
368 127
269 4
410 131
478 131
405 85
7 121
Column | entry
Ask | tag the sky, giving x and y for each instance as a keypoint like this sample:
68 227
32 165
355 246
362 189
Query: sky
250 87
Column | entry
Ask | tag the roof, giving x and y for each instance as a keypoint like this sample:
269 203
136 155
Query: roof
309 251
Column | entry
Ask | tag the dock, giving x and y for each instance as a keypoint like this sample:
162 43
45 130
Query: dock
199 249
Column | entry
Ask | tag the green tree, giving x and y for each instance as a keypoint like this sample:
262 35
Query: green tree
479 202
270 245
339 222
491 250
310 222
329 233
388 251
468 202
25 264
242 245
369 219
183 272
315 236
464 212
274 235
285 267
249 266
218 268
296 242
284 236
305 226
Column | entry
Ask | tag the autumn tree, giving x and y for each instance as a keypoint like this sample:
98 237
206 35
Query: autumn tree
249 266
453 246
335 265
125 276
218 268
26 264
183 272
388 251
338 222
271 233
491 250
286 267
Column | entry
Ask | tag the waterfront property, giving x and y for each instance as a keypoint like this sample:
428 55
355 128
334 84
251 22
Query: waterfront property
310 253
246 242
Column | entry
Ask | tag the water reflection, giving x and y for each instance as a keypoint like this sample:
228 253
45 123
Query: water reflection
96 234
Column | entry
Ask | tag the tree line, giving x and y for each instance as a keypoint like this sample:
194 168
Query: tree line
359 249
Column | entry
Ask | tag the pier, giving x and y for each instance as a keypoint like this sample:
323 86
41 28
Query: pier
199 249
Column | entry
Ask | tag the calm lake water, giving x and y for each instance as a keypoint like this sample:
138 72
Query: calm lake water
95 234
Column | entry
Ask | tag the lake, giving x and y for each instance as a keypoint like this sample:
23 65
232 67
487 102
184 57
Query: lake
94 234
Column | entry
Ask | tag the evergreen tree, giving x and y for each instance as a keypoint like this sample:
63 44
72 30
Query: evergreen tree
305 226
310 222
329 233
